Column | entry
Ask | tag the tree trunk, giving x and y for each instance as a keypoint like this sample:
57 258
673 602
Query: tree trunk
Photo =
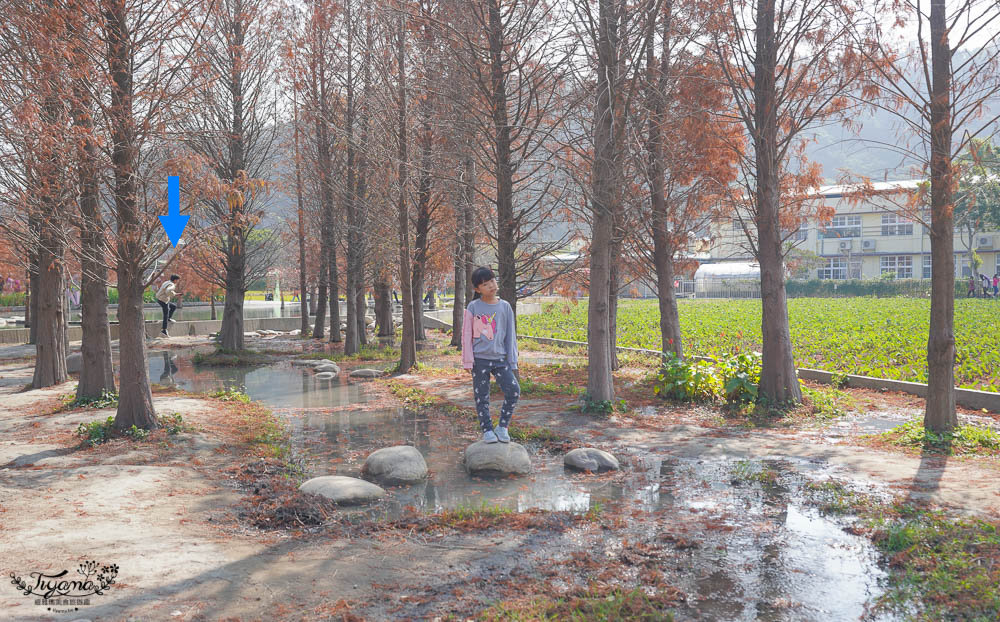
303 294
50 359
231 336
211 298
504 175
135 400
31 300
361 310
458 309
97 371
318 328
600 385
407 349
940 413
423 225
663 251
334 296
778 380
613 290
469 229
383 309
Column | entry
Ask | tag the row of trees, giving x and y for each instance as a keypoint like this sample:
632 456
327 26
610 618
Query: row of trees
412 134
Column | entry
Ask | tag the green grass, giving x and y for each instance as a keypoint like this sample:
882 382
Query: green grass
464 513
828 403
527 432
230 394
229 358
749 471
594 604
531 387
965 439
881 337
940 567
365 353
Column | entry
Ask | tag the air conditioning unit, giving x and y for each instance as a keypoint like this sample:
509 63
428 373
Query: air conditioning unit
845 245
868 245
985 241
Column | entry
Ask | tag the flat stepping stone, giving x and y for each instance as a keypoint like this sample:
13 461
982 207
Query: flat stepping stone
327 367
366 373
326 375
303 363
343 490
394 466
482 457
591 459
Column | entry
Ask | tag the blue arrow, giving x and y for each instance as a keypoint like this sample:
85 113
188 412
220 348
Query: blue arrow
173 222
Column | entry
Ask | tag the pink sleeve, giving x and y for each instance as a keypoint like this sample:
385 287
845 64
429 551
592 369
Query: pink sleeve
467 358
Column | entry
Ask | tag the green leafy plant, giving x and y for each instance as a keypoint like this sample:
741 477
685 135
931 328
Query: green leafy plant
96 432
740 376
107 399
138 434
231 394
174 423
688 381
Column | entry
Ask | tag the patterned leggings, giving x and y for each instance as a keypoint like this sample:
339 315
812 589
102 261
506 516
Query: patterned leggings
481 369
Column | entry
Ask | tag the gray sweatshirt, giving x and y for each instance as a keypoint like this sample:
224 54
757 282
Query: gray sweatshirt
488 333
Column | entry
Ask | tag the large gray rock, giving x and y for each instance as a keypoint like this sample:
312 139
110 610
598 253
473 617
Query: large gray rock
303 363
393 466
366 373
326 375
590 459
327 367
74 362
497 458
343 490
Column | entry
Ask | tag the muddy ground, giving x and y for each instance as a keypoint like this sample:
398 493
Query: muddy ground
169 513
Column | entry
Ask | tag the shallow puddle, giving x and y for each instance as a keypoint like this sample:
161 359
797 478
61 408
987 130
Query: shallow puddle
280 386
740 537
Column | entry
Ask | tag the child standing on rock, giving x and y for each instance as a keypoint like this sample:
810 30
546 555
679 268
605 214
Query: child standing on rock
489 346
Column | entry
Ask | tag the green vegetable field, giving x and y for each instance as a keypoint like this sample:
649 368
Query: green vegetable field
881 337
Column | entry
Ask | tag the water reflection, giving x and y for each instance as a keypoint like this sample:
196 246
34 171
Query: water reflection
281 386
756 550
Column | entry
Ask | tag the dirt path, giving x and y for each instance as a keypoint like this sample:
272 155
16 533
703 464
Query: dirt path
163 514
165 520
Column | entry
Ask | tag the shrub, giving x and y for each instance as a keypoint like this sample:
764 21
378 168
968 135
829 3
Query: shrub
740 376
687 381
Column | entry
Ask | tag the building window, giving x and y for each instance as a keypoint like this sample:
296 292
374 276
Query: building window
900 265
835 268
927 266
737 225
843 226
962 268
894 224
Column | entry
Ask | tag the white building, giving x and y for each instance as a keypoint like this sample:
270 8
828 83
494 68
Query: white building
865 239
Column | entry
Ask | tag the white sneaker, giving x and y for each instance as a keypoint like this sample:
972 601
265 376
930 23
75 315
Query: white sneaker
490 437
502 434
171 320
164 333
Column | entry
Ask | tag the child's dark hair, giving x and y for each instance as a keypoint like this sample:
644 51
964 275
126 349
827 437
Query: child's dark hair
175 277
481 275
